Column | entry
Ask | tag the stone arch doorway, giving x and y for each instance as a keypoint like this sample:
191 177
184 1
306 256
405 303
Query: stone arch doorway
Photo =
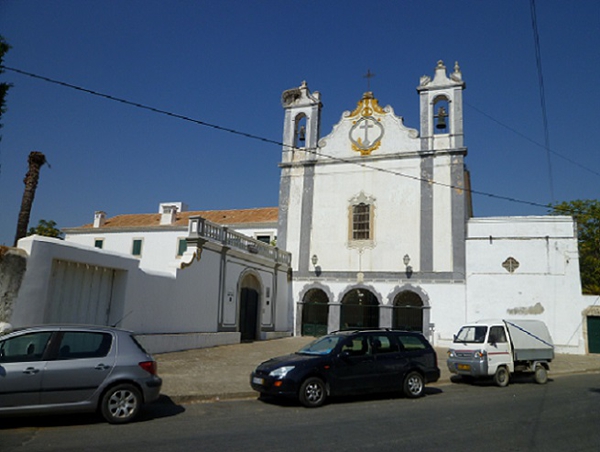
315 313
408 312
249 308
359 309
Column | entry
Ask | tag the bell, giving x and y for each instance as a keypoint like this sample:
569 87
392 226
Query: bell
302 134
441 118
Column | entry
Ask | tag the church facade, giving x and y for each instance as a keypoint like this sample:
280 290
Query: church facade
378 219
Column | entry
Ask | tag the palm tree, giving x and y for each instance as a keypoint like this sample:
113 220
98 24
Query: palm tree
35 160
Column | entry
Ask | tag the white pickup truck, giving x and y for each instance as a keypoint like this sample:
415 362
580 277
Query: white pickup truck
499 348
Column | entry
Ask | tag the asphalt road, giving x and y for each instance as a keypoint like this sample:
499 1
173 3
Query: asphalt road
562 415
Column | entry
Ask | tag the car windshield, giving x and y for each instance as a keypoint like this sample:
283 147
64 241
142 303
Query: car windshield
475 334
322 346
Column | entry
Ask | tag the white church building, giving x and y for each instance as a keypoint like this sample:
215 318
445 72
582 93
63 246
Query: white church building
378 220
374 228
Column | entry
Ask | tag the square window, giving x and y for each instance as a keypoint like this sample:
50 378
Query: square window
136 248
181 247
99 243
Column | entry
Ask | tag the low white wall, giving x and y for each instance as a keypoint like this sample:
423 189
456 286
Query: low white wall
171 310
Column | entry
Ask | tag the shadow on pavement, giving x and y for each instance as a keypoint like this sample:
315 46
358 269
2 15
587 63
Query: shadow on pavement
340 400
163 407
523 378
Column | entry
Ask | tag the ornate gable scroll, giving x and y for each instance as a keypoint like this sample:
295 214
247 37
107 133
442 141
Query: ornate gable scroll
367 131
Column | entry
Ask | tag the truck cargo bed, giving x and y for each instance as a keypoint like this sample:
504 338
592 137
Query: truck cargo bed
531 340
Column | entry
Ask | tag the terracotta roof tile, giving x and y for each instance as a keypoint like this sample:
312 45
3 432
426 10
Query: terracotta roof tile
267 215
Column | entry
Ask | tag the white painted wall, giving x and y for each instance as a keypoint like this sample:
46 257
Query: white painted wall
295 213
442 215
185 302
396 222
158 246
546 286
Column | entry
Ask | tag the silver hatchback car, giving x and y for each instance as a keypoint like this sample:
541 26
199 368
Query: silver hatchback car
61 369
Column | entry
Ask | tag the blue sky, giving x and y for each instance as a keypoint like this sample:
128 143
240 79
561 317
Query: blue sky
227 63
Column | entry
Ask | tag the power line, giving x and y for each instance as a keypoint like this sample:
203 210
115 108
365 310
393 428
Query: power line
314 151
138 105
516 132
538 60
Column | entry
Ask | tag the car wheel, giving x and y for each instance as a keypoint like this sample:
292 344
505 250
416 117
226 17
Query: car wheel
541 374
501 377
121 404
312 392
414 385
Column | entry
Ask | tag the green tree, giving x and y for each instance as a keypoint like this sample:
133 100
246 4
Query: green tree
587 214
46 228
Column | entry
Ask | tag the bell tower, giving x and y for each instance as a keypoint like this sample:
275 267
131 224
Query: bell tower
301 130
441 109
301 124
446 201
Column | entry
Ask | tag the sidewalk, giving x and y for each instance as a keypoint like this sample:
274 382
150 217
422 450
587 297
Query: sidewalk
224 372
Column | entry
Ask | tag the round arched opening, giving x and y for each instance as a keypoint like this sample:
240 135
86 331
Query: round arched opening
249 308
360 309
315 312
408 312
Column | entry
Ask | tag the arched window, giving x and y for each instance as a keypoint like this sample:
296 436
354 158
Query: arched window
300 131
361 218
441 112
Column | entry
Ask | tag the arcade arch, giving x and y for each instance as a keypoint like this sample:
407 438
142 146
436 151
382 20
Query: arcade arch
359 309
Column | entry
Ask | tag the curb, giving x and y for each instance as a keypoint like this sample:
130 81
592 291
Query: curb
207 398
246 395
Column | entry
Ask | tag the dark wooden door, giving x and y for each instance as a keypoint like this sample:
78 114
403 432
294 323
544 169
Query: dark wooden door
593 324
249 314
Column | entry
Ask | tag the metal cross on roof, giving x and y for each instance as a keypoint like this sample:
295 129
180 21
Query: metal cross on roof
369 75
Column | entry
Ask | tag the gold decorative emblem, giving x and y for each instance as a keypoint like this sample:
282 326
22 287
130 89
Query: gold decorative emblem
366 132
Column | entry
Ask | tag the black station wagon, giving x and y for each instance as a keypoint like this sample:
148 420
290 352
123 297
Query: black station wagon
350 362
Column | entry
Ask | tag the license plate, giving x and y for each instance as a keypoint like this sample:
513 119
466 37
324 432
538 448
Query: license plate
463 366
258 381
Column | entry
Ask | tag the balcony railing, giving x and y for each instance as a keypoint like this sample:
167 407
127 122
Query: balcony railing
199 227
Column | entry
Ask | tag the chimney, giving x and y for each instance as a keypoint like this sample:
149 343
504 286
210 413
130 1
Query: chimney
168 214
99 219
